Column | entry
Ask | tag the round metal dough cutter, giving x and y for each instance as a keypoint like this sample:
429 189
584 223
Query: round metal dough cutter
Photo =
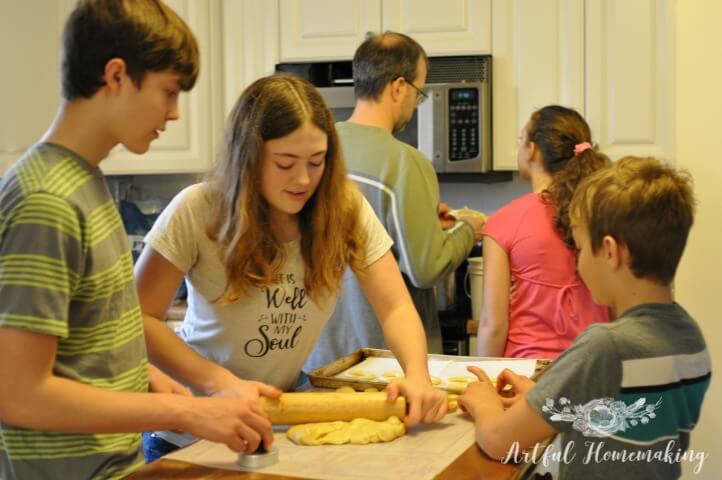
259 459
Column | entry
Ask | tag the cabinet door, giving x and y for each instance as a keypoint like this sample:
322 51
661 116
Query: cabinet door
538 59
326 29
249 37
185 146
630 76
30 56
451 27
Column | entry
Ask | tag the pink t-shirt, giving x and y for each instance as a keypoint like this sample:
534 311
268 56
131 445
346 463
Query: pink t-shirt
550 305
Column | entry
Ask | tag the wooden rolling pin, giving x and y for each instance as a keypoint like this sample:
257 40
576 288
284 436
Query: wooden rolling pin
311 407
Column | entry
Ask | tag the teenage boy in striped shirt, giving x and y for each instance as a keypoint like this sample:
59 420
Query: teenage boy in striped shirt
73 364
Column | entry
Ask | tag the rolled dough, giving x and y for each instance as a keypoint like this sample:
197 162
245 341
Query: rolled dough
358 431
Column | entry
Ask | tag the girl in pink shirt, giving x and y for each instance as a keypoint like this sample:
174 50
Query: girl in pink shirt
535 304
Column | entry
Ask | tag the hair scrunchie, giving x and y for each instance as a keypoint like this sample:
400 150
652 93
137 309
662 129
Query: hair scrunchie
580 147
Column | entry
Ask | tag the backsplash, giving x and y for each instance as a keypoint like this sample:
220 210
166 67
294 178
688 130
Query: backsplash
484 197
144 188
152 192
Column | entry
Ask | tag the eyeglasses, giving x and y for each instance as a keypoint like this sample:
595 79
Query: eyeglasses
420 94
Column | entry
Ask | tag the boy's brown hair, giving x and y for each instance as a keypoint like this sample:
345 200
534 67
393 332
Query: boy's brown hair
146 34
643 204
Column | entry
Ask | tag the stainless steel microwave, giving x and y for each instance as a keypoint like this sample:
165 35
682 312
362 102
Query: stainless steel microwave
452 128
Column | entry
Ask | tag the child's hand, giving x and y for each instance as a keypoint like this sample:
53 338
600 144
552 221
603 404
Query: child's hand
248 389
519 386
480 396
240 423
227 385
425 403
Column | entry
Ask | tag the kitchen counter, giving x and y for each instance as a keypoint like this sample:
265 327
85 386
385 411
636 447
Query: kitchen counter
472 464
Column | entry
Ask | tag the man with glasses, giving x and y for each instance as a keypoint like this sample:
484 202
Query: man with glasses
389 72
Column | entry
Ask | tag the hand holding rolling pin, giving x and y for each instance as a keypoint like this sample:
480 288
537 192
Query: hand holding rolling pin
224 384
240 423
424 402
234 416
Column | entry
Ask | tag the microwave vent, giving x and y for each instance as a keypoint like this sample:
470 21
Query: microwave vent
458 69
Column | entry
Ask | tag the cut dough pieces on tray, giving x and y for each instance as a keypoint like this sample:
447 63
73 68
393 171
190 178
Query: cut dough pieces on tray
362 374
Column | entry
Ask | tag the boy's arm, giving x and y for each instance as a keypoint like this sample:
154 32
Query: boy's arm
494 321
498 430
34 397
589 369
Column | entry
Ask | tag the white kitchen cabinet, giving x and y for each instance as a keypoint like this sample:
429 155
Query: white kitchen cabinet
611 60
333 29
325 29
30 93
630 74
248 39
451 27
538 59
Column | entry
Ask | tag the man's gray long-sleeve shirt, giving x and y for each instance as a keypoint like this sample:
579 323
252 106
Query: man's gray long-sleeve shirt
401 186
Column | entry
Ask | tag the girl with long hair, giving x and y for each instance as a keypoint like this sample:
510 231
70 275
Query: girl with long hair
263 245
535 304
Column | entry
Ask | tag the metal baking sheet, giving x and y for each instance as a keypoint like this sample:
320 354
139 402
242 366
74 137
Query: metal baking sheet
444 367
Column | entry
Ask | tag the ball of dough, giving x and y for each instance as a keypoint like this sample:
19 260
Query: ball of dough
345 389
462 379
435 380
393 374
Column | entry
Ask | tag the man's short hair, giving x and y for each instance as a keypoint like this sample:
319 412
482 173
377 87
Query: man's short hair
643 204
146 34
383 58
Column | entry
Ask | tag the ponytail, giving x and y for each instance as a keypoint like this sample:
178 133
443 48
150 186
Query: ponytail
565 182
564 141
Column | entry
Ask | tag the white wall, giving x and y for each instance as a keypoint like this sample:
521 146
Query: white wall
699 149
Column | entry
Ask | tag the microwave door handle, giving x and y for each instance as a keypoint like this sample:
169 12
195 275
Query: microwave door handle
342 81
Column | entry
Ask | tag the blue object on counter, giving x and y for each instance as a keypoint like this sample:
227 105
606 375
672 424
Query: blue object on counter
136 225
134 221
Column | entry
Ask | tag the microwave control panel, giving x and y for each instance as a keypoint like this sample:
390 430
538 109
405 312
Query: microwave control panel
463 123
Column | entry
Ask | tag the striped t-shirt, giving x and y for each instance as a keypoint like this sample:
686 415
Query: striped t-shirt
66 270
627 394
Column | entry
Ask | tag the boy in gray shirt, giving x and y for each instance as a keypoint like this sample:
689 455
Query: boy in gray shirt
626 394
